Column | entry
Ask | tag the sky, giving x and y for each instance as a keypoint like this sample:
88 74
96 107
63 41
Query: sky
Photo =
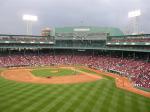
60 13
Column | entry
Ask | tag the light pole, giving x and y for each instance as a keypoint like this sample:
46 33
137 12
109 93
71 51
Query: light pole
134 21
29 21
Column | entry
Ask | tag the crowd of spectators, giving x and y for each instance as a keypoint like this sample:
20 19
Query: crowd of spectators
137 71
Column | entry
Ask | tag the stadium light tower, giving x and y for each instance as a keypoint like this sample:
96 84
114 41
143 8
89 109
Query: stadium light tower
134 21
29 20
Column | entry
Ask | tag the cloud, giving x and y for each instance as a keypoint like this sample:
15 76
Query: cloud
53 13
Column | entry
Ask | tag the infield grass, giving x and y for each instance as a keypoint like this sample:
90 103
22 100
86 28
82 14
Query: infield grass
53 72
98 96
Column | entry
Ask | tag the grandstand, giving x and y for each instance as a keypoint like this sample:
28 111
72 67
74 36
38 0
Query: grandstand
136 42
100 48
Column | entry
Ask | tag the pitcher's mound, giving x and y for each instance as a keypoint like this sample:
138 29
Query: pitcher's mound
55 71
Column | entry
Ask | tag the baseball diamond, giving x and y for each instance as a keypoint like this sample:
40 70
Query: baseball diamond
75 69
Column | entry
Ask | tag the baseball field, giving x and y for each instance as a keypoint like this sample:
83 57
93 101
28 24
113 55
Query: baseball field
65 90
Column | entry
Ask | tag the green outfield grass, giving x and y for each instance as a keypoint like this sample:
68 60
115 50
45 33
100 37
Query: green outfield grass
98 96
49 72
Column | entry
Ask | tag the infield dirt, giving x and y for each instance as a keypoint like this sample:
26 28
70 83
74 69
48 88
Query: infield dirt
25 75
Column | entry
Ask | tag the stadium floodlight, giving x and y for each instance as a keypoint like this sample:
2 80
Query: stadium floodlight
134 13
29 20
134 18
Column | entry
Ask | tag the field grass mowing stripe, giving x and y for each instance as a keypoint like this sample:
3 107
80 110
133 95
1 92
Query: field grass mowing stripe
108 93
19 98
142 106
128 103
33 94
127 99
49 97
15 94
15 107
107 101
147 103
120 102
87 104
48 107
16 89
19 91
5 82
12 86
40 105
135 104
66 102
147 106
75 98
9 84
140 101
101 98
37 97
113 105
68 94
130 107
22 96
